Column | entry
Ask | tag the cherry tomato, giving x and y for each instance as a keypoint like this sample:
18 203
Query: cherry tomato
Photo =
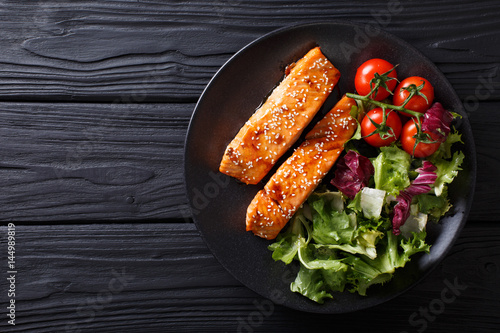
392 127
417 102
408 141
365 74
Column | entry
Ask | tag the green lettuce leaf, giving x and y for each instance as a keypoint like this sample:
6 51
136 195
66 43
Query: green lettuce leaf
356 113
329 224
392 166
381 270
312 257
358 248
414 245
311 284
287 243
367 272
432 205
444 151
447 171
335 280
339 249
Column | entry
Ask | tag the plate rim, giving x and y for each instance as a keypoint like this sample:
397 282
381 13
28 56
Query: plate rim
471 145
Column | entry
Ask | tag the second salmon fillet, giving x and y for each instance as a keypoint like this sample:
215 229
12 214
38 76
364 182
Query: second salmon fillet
279 122
301 173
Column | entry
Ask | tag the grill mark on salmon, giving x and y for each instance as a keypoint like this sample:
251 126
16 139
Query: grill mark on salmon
301 173
279 122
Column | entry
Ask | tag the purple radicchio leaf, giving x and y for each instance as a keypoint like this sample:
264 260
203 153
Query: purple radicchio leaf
437 120
352 174
420 185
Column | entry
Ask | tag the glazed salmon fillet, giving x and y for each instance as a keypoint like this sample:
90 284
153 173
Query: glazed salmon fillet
278 123
301 173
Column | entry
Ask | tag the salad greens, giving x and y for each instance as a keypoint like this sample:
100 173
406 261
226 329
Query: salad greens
392 167
351 241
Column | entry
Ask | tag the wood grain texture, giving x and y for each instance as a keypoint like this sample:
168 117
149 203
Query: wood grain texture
92 161
166 51
162 278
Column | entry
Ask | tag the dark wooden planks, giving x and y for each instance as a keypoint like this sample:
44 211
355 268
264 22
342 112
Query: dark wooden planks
161 277
92 161
167 51
485 124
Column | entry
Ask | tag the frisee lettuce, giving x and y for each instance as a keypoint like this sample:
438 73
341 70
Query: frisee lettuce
311 283
395 252
432 205
339 249
447 164
392 168
447 171
288 242
344 243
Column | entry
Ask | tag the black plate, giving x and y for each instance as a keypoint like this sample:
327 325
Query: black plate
219 202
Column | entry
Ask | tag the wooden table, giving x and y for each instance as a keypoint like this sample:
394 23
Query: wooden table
95 100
